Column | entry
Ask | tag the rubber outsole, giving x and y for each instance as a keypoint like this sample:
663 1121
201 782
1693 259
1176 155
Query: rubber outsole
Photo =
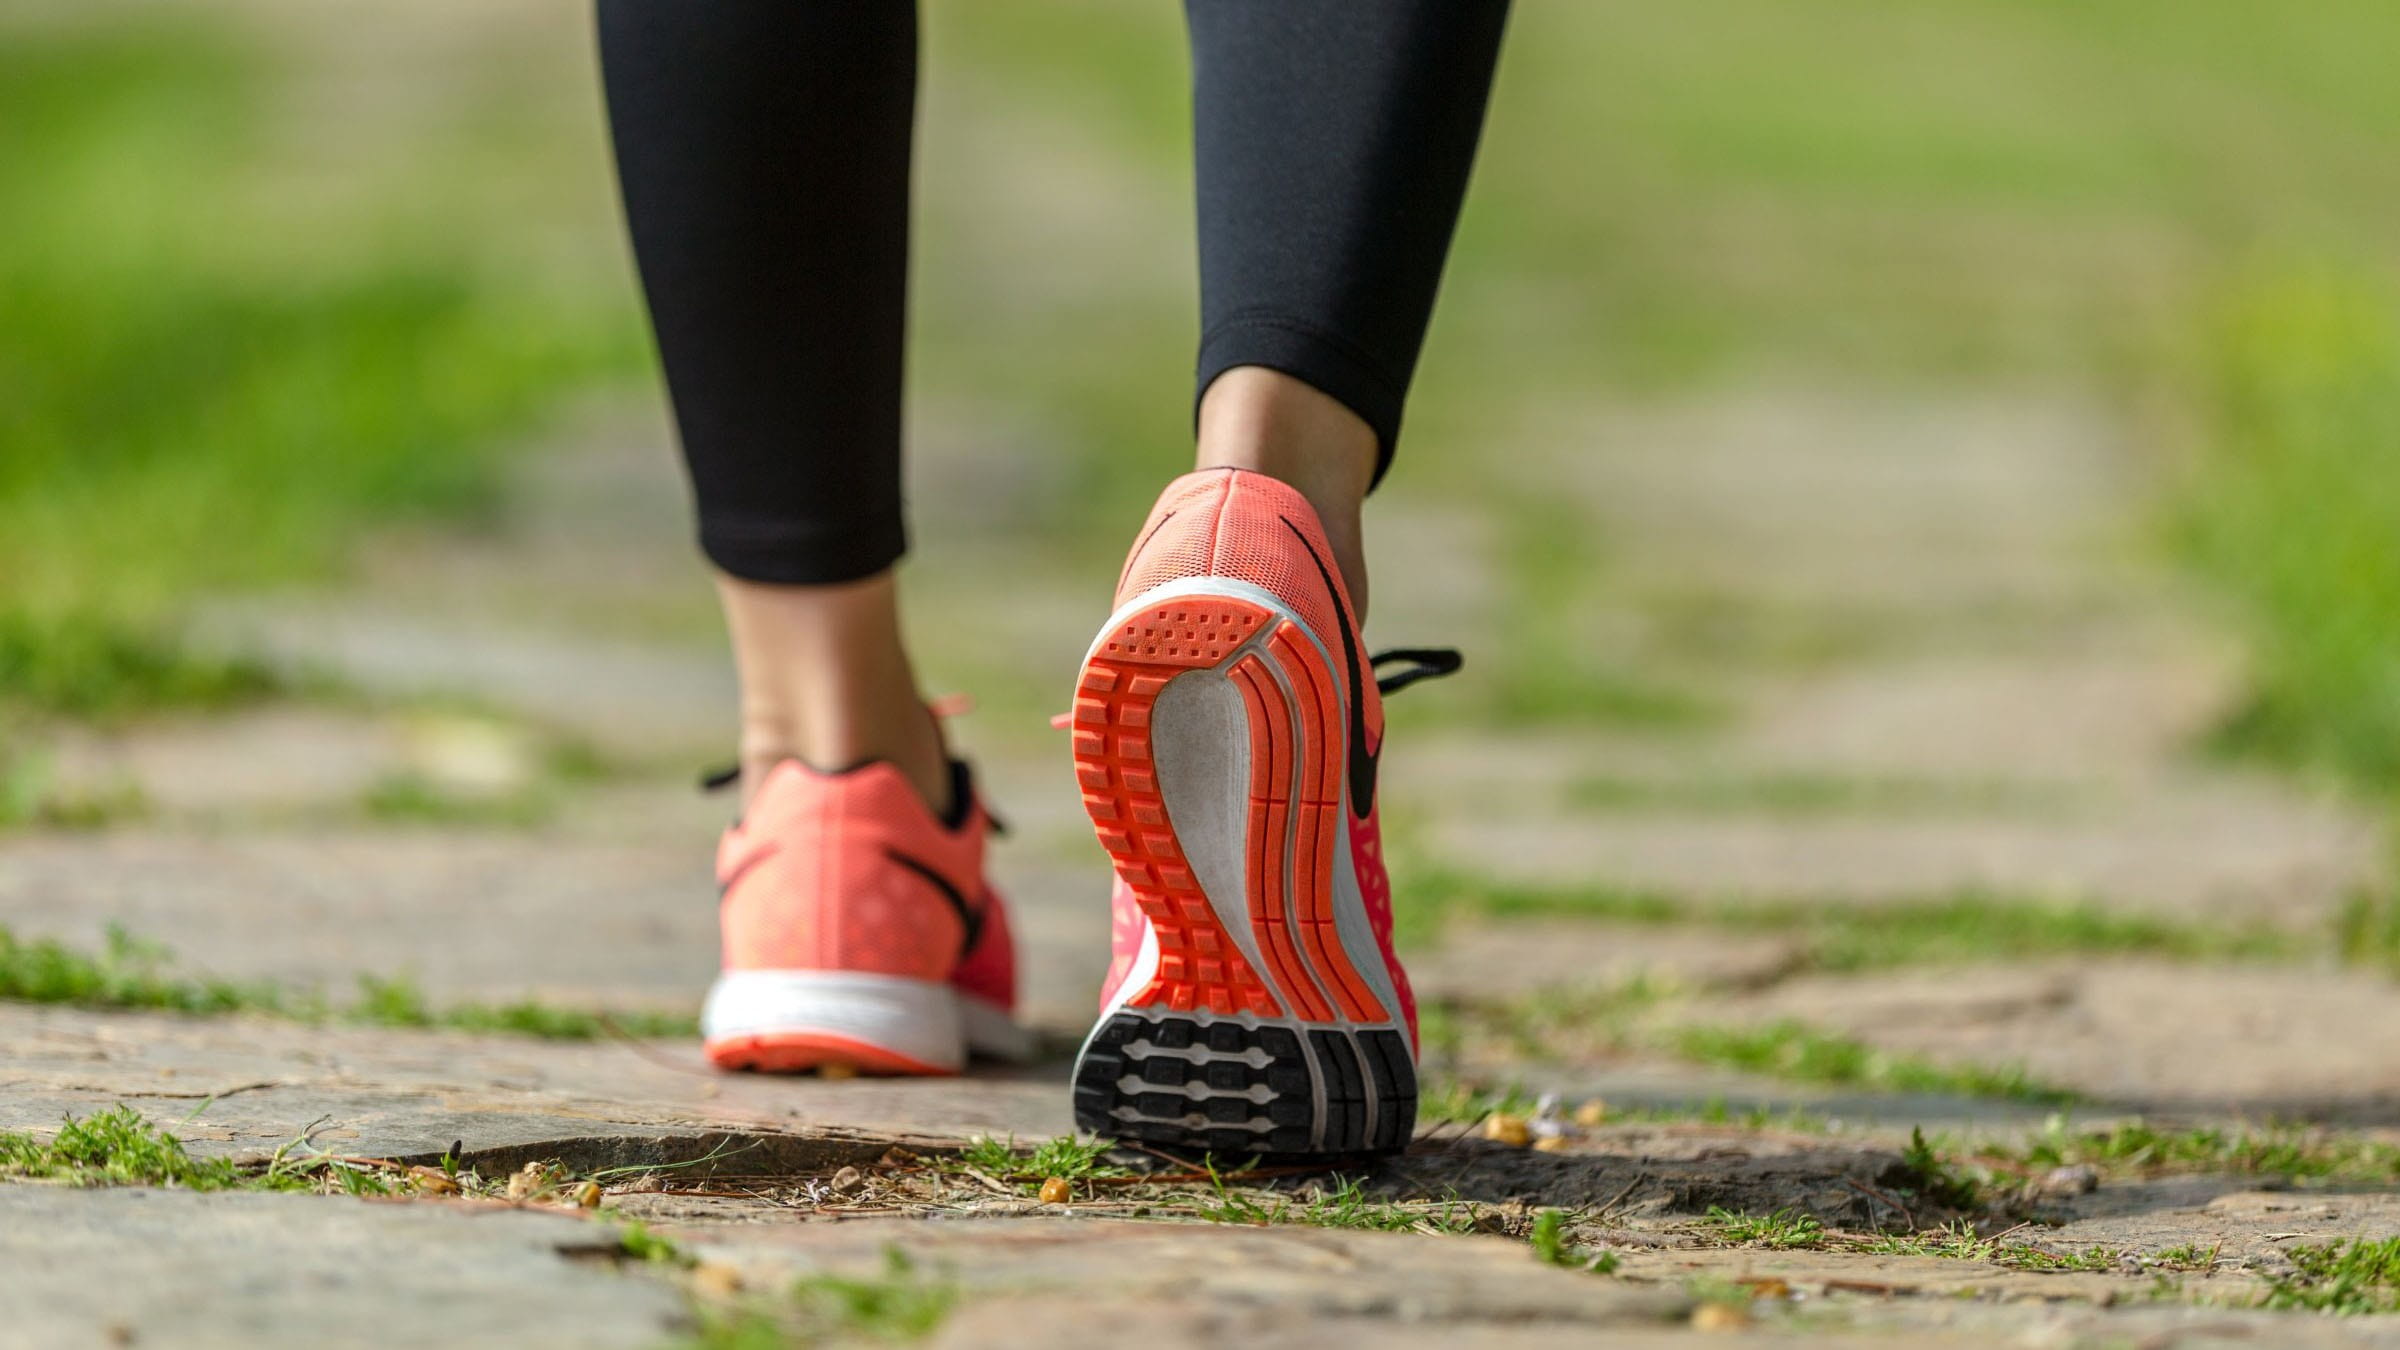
1293 1055
803 1052
1277 1091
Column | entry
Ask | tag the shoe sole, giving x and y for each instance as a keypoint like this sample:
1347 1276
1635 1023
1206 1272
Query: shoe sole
793 1021
1209 742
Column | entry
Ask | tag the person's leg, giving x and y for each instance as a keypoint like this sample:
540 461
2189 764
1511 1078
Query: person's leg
1228 726
763 151
1332 140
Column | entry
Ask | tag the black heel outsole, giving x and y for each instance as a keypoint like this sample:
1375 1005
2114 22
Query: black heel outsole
1276 1092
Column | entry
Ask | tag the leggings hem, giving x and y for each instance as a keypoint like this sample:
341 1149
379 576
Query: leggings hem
786 557
1321 360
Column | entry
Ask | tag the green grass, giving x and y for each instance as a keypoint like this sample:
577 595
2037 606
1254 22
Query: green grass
2367 930
1956 1240
208 390
1796 1051
2093 1260
901 1304
399 1003
552 767
1966 926
2138 1149
2187 1256
1064 1157
29 795
1340 1202
1641 1015
1936 1177
1552 1247
132 974
1783 1230
126 973
1555 673
1982 187
2292 507
117 1147
1808 795
638 1243
2353 1276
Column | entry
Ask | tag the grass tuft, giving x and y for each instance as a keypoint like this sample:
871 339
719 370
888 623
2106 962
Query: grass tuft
2139 1149
1796 1051
2357 1275
1552 1247
638 1243
1063 1157
1935 1177
1341 1203
117 1147
132 974
1783 1230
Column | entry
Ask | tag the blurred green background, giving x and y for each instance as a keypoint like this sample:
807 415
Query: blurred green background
271 275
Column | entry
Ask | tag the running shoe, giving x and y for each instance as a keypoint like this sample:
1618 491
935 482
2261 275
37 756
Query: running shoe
859 932
1227 727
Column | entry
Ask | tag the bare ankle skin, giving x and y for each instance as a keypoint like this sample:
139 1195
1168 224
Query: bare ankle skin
825 680
1261 419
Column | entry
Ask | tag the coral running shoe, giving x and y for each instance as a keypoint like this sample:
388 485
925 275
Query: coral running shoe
859 931
1227 727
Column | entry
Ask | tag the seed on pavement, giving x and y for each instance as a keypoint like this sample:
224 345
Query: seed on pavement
1507 1129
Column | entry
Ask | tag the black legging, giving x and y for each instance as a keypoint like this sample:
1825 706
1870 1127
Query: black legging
763 148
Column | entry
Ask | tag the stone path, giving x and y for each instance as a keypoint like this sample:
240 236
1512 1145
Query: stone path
1922 764
1919 651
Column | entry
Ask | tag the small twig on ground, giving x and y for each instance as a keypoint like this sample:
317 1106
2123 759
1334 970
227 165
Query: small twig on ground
1871 1193
1618 1199
650 1052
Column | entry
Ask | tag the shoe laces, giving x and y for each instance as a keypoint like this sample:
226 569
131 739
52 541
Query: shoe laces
1423 663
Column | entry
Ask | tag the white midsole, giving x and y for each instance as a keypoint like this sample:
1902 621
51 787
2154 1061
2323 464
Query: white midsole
991 1031
1357 932
920 1019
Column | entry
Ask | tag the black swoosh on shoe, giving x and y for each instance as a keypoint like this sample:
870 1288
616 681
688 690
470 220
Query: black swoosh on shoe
1362 760
970 917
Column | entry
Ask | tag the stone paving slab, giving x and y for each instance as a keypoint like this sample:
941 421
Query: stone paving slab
2196 858
1085 1282
256 1083
1642 1082
1478 961
2251 1226
582 921
2270 1043
1906 1298
249 1271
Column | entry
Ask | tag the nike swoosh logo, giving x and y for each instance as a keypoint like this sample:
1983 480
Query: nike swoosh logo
970 917
1362 760
749 865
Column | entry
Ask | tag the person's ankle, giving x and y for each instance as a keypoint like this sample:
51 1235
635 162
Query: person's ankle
912 745
1269 422
826 680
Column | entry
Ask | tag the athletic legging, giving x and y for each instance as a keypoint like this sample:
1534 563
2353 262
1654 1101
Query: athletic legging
763 150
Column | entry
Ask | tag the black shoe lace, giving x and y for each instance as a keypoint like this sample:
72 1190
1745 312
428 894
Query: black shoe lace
1424 663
